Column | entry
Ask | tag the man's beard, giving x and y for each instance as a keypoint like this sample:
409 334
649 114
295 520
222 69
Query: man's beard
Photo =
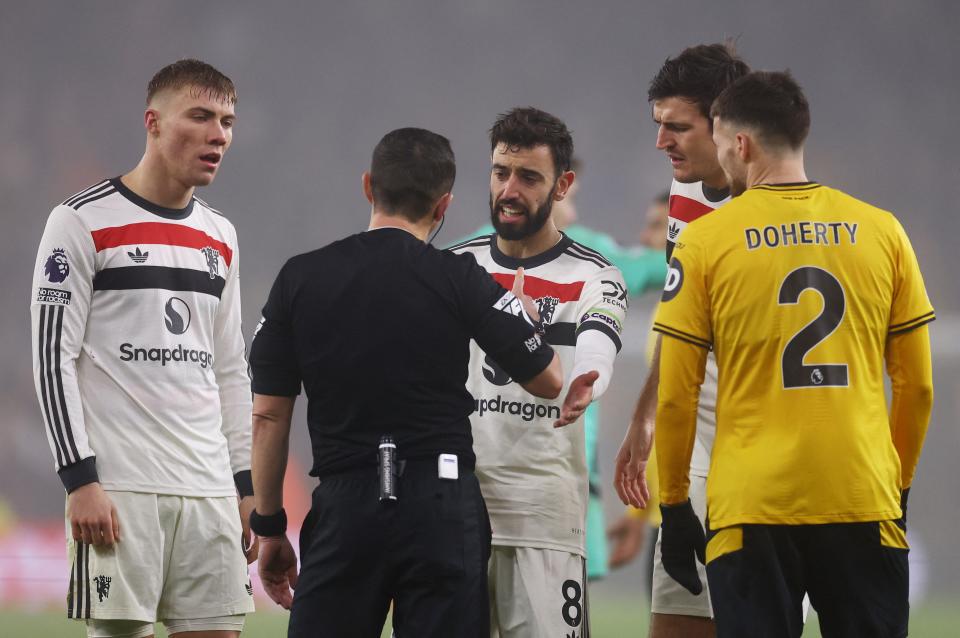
532 224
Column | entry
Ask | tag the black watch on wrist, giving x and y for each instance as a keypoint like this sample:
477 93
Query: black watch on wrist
270 525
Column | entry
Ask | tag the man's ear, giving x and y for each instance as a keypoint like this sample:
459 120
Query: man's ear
745 148
440 209
367 186
563 185
151 121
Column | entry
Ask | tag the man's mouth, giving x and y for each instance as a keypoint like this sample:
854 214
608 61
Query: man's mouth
511 211
213 159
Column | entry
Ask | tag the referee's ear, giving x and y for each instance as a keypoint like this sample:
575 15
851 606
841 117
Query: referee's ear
440 209
367 186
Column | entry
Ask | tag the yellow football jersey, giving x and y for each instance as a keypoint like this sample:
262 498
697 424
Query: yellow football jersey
797 287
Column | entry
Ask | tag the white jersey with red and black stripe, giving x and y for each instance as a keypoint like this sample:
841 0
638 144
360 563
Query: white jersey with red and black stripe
687 203
138 354
534 477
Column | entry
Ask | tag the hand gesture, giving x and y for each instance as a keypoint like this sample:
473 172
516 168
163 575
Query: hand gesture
579 396
278 569
529 305
93 516
630 472
248 541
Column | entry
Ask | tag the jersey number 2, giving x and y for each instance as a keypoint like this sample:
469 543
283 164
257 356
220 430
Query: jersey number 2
796 374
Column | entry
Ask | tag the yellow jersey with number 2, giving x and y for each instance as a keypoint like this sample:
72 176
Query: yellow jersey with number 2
797 288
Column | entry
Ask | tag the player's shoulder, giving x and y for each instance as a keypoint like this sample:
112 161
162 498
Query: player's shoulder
93 197
478 243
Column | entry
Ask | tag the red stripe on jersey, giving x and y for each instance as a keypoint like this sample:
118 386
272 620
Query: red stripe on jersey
158 233
537 288
686 209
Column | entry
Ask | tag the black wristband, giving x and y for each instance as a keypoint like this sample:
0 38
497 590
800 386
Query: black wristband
244 483
272 525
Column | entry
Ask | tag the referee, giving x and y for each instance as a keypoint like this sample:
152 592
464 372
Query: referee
376 328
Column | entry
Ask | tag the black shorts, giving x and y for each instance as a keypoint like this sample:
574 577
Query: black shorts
427 553
856 575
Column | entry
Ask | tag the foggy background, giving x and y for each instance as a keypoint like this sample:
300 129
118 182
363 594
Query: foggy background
320 83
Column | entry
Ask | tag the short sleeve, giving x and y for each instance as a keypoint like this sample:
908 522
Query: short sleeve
684 311
273 359
497 321
911 307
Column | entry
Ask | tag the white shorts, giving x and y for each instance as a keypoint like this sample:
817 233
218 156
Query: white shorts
179 558
669 596
537 593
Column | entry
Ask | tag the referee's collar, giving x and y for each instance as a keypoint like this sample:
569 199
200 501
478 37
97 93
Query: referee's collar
506 261
409 232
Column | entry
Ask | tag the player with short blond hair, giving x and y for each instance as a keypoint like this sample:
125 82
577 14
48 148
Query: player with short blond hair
140 372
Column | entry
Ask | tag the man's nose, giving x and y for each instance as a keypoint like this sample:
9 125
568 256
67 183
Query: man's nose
664 139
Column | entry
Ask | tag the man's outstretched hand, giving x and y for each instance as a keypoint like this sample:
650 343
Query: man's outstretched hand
579 396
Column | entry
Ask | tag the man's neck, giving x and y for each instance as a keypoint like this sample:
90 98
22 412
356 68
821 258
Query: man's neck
545 239
153 184
785 170
379 219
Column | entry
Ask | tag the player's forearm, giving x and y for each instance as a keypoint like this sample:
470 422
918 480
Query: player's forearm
271 440
645 412
678 396
911 378
595 351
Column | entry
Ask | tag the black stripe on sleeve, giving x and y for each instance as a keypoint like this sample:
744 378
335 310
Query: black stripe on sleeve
52 392
913 324
92 198
903 324
43 353
682 336
163 277
87 191
604 328
483 240
590 251
583 257
60 393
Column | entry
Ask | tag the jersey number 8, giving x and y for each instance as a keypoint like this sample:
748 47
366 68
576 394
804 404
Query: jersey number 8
796 374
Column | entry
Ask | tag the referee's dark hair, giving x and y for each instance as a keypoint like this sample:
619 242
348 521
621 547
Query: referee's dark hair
411 169
528 127
699 74
771 103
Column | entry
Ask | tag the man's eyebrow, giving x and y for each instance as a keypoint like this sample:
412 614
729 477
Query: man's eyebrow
208 112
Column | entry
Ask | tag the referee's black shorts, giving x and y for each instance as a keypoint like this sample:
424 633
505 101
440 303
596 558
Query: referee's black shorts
856 575
427 553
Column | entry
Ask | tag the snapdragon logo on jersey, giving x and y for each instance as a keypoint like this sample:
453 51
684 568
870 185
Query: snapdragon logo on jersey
526 410
176 319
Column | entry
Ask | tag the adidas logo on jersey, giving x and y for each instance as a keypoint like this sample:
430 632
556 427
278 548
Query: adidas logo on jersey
137 256
673 231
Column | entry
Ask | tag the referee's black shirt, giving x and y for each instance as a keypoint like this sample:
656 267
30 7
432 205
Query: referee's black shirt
377 327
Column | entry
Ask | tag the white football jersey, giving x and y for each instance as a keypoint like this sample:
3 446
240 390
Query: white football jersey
687 203
534 477
138 355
